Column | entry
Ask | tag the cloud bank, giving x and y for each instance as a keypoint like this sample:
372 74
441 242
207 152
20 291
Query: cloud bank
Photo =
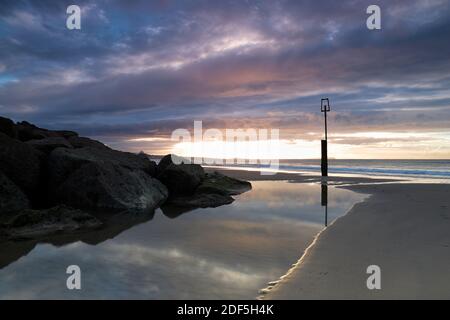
144 68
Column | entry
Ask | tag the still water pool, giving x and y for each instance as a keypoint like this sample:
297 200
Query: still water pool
228 252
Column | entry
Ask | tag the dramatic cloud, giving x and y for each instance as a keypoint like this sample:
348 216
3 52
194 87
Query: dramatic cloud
143 68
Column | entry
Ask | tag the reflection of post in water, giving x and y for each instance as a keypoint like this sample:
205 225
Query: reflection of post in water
324 201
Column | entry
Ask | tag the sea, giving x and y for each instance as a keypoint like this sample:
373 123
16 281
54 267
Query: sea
439 169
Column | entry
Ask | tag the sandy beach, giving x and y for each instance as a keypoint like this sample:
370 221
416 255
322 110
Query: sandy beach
401 227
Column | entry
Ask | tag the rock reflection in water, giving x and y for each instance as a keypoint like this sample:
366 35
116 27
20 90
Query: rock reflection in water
227 252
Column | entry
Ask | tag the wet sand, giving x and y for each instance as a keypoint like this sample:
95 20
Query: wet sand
402 228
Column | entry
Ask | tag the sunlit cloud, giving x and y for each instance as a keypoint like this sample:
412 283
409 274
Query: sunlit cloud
135 71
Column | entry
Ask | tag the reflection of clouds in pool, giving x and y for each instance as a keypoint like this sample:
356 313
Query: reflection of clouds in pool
42 275
227 252
122 271
197 270
276 200
276 193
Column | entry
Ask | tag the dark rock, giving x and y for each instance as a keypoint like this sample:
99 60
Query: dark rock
85 173
109 185
66 134
81 142
163 163
20 162
151 166
218 183
180 179
12 198
39 223
27 131
170 159
8 127
47 145
63 162
215 190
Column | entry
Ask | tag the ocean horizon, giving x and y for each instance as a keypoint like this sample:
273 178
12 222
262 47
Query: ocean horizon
371 167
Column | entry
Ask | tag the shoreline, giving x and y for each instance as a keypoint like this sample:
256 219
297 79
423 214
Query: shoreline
400 227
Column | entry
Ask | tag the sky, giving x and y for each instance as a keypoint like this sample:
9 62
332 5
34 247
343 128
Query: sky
138 70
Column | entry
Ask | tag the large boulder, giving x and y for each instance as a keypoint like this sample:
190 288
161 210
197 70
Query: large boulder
150 165
217 183
47 145
31 224
81 142
180 179
12 199
20 162
169 159
67 134
109 185
62 161
215 190
27 131
8 127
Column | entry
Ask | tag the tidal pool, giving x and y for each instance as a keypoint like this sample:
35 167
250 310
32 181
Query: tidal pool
230 252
